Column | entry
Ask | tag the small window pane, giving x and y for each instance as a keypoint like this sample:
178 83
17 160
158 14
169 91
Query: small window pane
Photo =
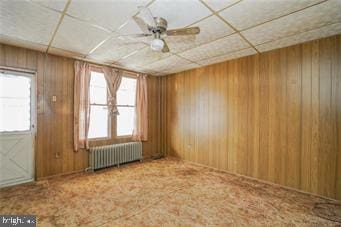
15 103
98 122
127 92
98 88
125 121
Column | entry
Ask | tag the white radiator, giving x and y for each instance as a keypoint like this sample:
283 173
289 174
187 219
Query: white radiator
115 154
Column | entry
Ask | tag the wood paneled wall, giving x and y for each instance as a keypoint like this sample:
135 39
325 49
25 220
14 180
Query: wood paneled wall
54 137
275 116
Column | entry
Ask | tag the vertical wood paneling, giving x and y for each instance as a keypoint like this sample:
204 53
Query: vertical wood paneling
275 116
338 118
54 137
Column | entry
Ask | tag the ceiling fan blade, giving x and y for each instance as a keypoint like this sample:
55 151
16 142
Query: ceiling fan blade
165 48
184 31
141 23
134 36
147 16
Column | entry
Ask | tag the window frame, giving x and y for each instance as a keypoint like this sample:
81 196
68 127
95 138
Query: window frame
128 75
109 123
33 96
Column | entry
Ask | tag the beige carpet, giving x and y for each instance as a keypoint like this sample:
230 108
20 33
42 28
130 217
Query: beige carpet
165 192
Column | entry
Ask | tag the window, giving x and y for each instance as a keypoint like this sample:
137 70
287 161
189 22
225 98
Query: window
126 106
99 120
15 102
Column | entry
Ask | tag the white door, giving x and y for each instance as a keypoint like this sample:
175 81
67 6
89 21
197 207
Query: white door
17 111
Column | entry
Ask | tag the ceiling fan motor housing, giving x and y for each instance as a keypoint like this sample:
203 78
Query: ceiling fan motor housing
161 26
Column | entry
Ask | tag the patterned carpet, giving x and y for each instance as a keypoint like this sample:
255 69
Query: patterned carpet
165 192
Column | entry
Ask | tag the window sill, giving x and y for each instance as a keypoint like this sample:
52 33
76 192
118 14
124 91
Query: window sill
124 137
99 139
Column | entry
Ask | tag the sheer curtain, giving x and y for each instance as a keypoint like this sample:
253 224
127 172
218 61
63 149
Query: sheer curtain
140 132
113 78
81 105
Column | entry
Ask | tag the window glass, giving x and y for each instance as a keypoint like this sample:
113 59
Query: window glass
98 122
127 92
15 103
126 95
99 119
125 121
98 88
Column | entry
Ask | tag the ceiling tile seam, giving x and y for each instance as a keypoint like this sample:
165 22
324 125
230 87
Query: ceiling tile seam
99 44
68 51
171 55
205 43
193 62
58 25
88 22
74 17
288 36
218 11
279 17
223 37
177 54
125 56
198 21
119 27
122 25
197 62
117 30
227 23
213 13
43 6
221 55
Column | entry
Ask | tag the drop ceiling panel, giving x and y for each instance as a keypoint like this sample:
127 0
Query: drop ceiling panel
110 14
52 4
130 28
302 37
132 68
211 28
217 5
248 13
27 21
219 47
181 68
114 49
65 53
22 43
77 36
144 57
229 56
179 13
313 17
167 64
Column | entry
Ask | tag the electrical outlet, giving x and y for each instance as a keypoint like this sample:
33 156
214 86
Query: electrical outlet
54 98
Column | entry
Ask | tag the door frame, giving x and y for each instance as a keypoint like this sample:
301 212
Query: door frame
33 111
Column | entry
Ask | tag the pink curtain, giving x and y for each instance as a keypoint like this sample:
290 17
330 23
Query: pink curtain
140 132
81 105
113 78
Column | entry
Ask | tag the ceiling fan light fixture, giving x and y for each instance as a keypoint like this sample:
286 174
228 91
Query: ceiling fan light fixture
157 44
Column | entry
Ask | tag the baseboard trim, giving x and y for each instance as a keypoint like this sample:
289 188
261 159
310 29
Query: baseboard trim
260 180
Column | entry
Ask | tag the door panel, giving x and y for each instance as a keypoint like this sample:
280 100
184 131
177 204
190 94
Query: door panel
17 111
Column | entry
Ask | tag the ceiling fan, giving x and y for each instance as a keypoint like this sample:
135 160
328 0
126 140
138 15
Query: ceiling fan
156 27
